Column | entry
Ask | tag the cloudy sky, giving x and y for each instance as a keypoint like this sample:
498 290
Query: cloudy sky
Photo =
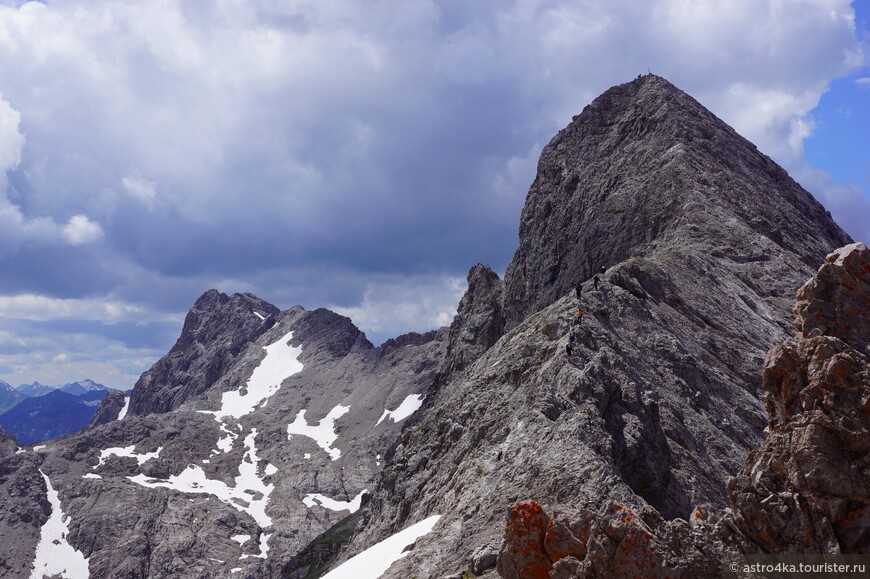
354 155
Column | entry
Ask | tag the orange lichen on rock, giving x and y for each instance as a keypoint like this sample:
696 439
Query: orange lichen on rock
522 554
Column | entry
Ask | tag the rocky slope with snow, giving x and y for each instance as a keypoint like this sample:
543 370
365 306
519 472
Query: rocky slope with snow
111 408
704 241
216 330
239 476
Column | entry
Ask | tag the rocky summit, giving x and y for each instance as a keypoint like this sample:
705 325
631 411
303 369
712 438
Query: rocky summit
215 331
646 170
609 397
688 245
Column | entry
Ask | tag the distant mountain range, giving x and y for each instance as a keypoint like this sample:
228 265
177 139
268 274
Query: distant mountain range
55 414
74 388
37 412
35 389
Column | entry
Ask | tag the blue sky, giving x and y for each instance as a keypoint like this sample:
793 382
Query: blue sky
357 156
840 138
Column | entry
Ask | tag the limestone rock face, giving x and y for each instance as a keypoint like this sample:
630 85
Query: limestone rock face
645 168
24 508
704 241
8 444
109 409
834 302
617 541
479 321
806 489
217 328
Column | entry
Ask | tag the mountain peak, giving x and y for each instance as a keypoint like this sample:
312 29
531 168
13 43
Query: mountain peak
645 168
216 329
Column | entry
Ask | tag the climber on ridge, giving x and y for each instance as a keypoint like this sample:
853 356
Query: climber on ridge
595 279
578 287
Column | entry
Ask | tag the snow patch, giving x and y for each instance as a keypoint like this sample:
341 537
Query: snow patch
323 433
54 554
127 451
261 316
91 475
264 548
38 448
241 539
270 469
374 561
409 406
249 495
280 363
226 442
307 456
20 450
123 411
312 499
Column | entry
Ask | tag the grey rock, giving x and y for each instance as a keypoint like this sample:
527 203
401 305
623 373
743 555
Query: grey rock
704 240
109 409
216 330
479 322
806 489
8 444
646 168
485 557
128 530
316 557
23 510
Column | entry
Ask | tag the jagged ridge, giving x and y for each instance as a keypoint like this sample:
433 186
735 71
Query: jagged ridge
705 239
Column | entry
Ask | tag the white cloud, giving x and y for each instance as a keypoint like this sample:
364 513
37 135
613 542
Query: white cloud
44 308
8 339
11 139
60 358
244 112
141 189
393 136
392 307
80 230
15 227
